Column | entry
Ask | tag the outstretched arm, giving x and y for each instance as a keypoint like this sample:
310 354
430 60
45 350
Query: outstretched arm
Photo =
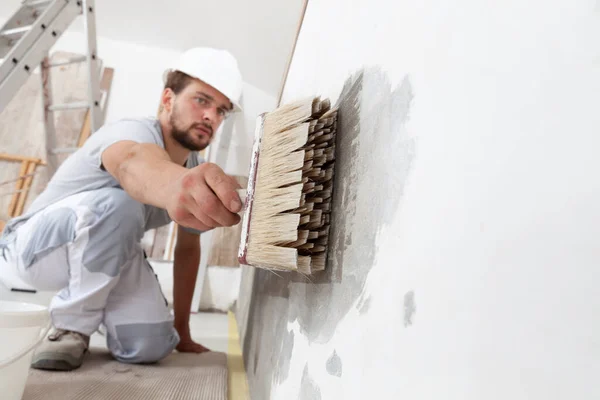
202 198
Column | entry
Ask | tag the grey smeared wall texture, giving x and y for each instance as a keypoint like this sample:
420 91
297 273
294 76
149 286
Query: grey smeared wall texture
466 209
371 120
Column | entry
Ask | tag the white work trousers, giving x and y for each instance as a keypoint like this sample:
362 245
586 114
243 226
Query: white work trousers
87 247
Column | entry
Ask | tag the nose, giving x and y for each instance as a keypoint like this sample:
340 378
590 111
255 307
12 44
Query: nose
210 115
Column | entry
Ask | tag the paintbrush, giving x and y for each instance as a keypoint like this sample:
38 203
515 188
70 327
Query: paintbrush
286 217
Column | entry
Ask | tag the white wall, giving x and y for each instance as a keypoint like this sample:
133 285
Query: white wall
498 229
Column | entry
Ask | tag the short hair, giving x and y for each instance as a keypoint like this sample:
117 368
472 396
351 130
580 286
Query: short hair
177 81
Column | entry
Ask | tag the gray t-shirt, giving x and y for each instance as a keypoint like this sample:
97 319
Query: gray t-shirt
82 171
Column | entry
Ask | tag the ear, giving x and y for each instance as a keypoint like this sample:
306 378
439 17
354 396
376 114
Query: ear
167 99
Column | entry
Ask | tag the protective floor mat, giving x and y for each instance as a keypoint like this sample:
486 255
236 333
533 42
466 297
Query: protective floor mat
177 377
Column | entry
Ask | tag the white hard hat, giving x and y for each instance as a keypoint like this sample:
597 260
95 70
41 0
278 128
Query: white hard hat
218 68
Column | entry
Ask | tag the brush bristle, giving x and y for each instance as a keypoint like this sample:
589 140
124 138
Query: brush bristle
289 226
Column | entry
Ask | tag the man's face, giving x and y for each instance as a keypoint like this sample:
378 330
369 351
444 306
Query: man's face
197 113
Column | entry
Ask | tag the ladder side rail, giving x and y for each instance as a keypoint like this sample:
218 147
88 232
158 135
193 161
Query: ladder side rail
36 53
25 16
13 59
93 72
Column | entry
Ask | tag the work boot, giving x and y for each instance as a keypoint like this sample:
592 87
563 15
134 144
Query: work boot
62 350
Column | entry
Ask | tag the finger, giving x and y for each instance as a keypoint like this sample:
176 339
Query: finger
192 222
212 208
224 188
199 200
204 218
192 216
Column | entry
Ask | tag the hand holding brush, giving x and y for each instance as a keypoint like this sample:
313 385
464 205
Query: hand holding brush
205 198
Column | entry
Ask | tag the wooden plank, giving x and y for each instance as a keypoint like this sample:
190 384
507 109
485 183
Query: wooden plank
291 55
19 158
237 386
172 241
86 130
148 241
18 186
105 85
225 241
26 186
224 246
160 243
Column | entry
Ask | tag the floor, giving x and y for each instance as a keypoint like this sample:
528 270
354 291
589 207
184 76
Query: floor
217 331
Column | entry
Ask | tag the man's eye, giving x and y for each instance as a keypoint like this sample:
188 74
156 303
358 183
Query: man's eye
201 100
221 112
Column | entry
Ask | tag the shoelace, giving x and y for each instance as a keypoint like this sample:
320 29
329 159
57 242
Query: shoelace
58 333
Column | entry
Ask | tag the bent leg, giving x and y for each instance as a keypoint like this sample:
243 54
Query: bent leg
90 237
38 260
138 320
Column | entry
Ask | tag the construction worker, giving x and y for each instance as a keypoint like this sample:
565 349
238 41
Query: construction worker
81 236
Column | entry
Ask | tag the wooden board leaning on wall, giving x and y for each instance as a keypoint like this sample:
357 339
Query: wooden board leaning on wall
223 250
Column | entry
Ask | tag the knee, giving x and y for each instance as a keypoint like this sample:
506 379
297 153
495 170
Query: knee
145 350
143 343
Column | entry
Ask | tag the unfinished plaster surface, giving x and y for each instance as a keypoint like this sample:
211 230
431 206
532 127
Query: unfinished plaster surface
308 388
464 260
410 308
334 365
371 119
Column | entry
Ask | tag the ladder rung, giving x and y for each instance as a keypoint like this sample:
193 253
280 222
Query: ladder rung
69 106
35 3
60 150
11 33
69 61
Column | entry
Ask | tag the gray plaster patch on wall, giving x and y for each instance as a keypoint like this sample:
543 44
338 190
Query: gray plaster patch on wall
287 345
309 390
268 343
374 156
410 308
334 365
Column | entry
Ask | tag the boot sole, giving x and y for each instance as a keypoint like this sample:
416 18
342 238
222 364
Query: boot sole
56 362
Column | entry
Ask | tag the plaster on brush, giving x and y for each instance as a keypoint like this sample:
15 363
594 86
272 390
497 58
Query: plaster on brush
285 225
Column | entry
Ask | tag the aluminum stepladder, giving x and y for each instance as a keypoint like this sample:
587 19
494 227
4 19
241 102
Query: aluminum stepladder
25 40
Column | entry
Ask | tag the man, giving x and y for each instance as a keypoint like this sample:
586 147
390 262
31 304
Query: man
82 235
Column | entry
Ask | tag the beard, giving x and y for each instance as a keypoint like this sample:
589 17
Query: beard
184 136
